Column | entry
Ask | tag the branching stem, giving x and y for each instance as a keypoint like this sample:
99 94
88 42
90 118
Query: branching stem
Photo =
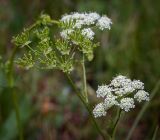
113 131
86 106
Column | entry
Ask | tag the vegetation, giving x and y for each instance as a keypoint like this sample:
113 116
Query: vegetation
42 104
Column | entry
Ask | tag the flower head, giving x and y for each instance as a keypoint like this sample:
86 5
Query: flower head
126 104
141 95
121 92
104 23
85 20
103 90
137 84
99 110
88 33
81 18
110 100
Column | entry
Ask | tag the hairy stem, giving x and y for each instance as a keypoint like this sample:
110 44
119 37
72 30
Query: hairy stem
86 106
113 131
14 95
84 80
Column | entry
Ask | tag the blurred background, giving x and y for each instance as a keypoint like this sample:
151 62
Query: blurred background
49 109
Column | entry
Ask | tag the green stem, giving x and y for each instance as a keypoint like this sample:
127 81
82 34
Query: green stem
31 49
55 21
144 108
14 95
118 115
84 80
86 106
155 133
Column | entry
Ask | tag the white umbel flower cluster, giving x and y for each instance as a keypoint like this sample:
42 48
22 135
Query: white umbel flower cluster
104 23
126 104
110 100
88 33
85 20
141 95
99 110
121 92
103 91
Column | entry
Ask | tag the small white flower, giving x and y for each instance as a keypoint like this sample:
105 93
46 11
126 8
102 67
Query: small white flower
119 81
77 15
110 100
124 90
122 85
66 18
141 95
65 33
137 84
119 91
126 104
128 89
81 18
88 33
91 18
99 110
103 91
94 16
78 24
104 23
